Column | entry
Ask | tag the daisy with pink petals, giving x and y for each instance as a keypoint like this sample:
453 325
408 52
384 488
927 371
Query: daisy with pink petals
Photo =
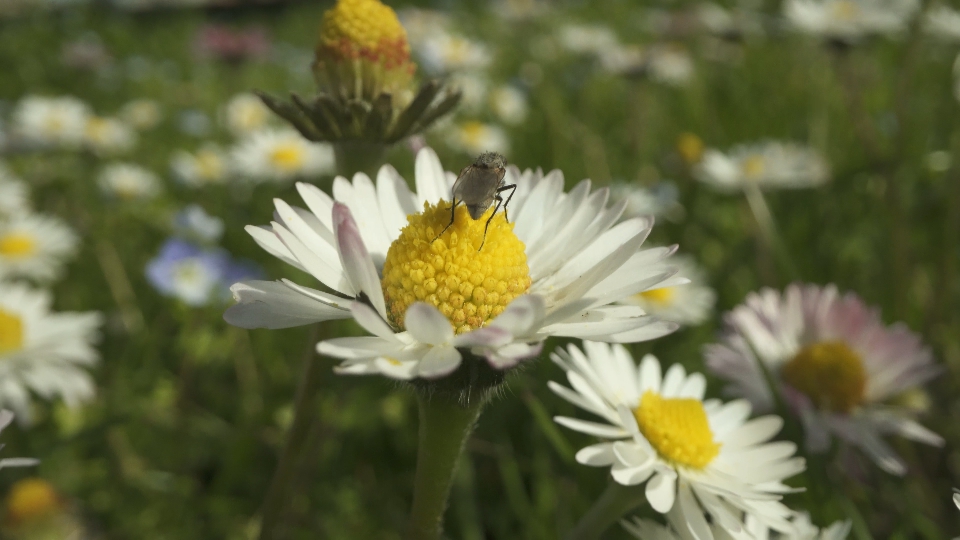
489 287
833 362
696 458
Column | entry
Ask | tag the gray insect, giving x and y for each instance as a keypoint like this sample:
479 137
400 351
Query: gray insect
478 186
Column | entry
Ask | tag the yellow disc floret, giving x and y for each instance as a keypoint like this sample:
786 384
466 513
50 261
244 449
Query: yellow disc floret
830 373
469 285
364 29
17 245
30 499
677 428
11 332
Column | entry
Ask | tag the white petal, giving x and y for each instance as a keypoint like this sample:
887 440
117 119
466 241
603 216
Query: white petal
521 316
268 304
597 455
661 490
396 200
438 361
431 182
356 262
371 321
427 325
591 428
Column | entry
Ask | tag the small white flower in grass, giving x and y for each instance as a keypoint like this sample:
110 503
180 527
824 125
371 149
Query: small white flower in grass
942 22
767 165
51 122
510 104
109 136
834 362
587 39
685 298
14 198
475 137
442 52
657 200
206 166
281 155
142 114
34 246
848 21
128 181
43 352
245 114
695 456
555 269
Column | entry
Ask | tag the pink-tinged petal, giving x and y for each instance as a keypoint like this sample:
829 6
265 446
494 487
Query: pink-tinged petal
371 321
355 259
268 304
522 316
427 325
431 181
438 361
489 336
661 490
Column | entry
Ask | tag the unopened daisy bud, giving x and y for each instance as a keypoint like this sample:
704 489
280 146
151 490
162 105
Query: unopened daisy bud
364 75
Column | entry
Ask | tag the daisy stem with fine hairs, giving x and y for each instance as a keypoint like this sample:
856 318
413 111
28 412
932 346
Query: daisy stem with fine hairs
768 229
445 425
615 502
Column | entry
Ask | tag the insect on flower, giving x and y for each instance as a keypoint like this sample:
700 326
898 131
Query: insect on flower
477 186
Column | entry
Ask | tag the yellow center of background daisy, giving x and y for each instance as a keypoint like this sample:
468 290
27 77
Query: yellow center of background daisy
753 167
209 165
661 297
690 148
830 373
473 132
363 29
11 332
469 285
677 428
17 245
287 158
31 499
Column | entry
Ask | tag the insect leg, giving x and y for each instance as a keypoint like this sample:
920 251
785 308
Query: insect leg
513 189
499 200
453 217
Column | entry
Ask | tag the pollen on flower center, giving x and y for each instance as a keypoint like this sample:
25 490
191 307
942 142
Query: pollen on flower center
830 373
17 245
661 297
364 29
677 428
11 332
287 158
470 286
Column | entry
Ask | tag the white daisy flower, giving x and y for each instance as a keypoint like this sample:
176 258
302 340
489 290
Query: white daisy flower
768 164
442 52
942 22
281 154
109 136
14 197
587 39
834 362
420 23
685 298
555 269
142 114
658 200
695 456
128 181
726 23
34 246
51 121
245 114
208 165
670 64
474 88
474 137
6 417
753 530
849 20
43 352
509 104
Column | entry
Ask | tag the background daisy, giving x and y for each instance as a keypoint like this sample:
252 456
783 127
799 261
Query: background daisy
34 246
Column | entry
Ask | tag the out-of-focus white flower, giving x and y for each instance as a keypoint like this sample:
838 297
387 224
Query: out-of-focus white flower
587 39
696 457
669 64
475 137
194 223
942 22
509 104
208 165
686 298
128 181
245 113
939 161
645 529
441 52
280 155
34 246
494 289
474 87
14 198
726 23
661 199
194 122
768 164
849 20
109 136
834 363
43 352
420 24
142 114
51 122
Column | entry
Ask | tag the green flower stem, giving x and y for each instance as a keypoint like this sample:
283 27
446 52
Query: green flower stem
305 416
615 502
445 425
356 156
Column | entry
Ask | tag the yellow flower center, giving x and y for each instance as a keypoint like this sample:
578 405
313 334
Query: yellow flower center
209 165
845 10
830 373
469 285
690 148
30 499
287 158
753 167
661 297
364 29
17 245
11 332
97 128
677 428
53 125
473 132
